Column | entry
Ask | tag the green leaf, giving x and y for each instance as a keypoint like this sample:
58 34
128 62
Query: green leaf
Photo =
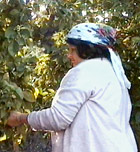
18 104
108 4
21 68
137 117
22 2
14 12
25 33
10 33
2 113
6 76
36 6
19 92
10 65
135 39
7 84
14 87
13 48
21 41
32 60
29 96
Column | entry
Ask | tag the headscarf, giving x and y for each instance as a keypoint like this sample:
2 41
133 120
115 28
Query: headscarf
103 35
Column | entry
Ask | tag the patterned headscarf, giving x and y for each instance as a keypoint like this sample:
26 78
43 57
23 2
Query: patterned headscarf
101 34
93 33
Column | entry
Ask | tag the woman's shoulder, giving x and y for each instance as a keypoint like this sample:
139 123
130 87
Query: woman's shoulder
95 66
89 71
71 77
94 62
89 67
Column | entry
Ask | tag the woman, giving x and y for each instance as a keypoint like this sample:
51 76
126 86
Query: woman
91 109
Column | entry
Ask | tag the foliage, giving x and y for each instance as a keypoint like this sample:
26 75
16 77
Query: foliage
28 76
18 57
33 51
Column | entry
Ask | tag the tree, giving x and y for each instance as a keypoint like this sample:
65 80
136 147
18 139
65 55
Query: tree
33 51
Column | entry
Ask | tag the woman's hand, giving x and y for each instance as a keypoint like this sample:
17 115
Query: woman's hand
16 119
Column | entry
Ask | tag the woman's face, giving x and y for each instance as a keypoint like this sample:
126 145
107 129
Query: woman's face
73 56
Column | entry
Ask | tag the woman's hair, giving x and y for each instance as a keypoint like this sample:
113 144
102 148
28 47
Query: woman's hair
86 50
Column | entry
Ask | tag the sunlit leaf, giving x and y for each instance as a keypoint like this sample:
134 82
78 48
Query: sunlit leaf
36 93
3 138
91 1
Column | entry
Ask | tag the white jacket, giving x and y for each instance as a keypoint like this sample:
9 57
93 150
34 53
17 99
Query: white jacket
90 112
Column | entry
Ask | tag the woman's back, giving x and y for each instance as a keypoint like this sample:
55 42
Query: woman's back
102 123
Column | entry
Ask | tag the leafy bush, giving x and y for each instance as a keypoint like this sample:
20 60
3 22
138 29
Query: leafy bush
33 51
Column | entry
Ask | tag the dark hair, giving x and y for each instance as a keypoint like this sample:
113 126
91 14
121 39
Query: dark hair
87 50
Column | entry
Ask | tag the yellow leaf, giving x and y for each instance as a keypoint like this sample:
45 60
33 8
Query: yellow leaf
44 93
36 93
51 90
3 138
27 110
91 1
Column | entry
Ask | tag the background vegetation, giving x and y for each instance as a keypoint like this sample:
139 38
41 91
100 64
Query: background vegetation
33 53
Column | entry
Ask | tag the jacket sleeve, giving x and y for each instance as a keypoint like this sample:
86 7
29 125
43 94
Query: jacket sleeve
67 102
